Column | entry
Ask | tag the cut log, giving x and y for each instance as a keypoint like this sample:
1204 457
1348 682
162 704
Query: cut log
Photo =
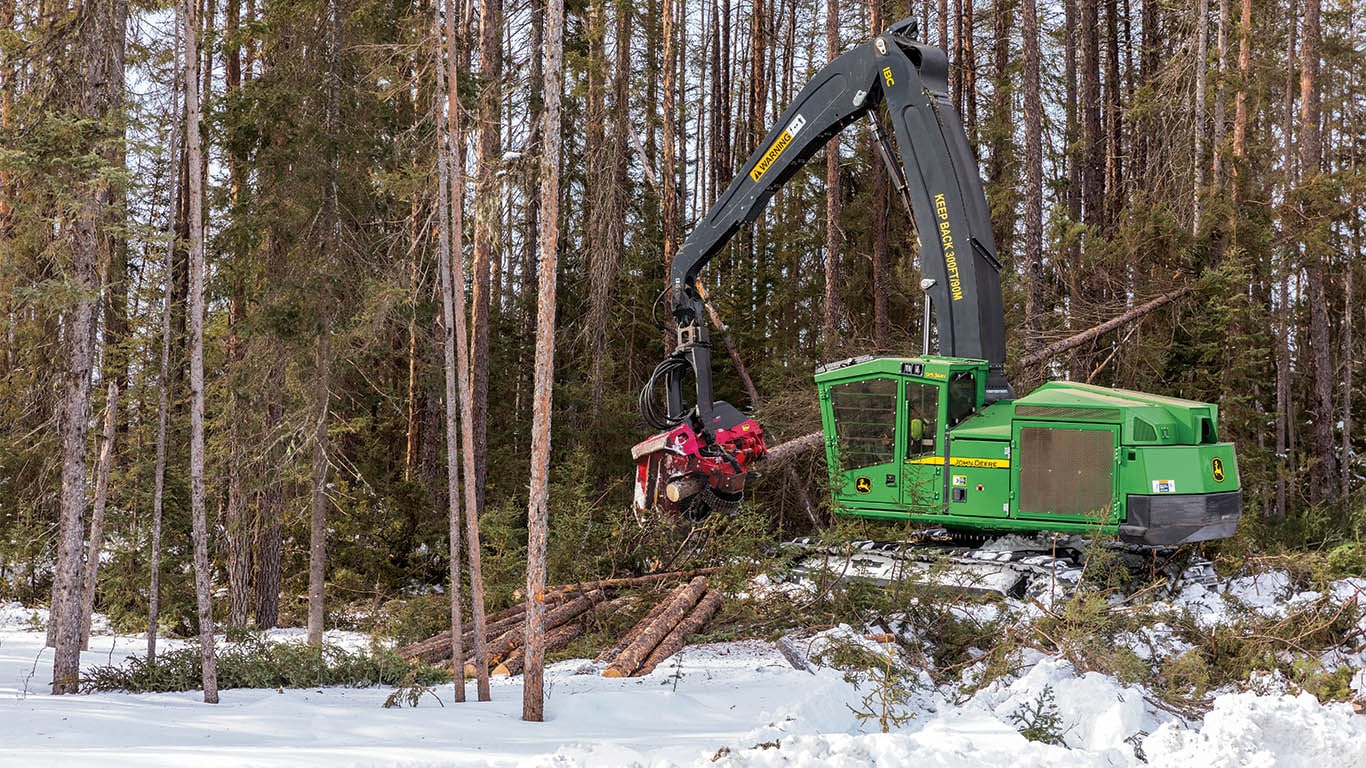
682 489
789 450
554 641
436 648
678 606
501 646
674 641
610 654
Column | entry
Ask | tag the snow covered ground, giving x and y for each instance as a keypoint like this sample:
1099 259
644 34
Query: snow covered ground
730 704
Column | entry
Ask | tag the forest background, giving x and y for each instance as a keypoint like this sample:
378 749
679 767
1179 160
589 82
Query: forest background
1208 152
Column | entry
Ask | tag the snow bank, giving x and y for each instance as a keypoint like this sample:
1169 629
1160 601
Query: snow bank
1245 729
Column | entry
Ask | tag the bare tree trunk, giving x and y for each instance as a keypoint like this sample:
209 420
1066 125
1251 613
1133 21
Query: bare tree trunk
1284 456
485 232
1033 192
1092 139
198 515
96 543
1240 114
669 157
447 248
1220 93
90 95
879 193
473 478
1114 150
1201 54
238 527
1323 470
163 378
599 194
317 527
833 234
1348 359
533 692
269 538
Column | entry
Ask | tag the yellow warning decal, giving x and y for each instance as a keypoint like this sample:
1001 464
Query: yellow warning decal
887 75
776 149
941 210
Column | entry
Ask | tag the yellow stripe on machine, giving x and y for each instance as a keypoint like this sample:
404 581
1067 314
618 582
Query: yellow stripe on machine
962 461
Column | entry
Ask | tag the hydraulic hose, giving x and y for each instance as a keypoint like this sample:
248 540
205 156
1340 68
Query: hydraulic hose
656 416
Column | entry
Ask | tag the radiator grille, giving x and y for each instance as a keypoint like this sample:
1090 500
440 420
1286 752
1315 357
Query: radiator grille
1066 471
1144 432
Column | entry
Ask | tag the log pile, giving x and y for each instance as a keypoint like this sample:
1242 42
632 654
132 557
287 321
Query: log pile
568 607
663 631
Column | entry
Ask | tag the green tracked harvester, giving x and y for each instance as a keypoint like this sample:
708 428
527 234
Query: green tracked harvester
915 438
940 439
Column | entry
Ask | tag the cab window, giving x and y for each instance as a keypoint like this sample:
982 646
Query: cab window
962 396
865 421
922 419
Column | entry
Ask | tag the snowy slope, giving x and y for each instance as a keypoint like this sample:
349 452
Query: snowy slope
731 704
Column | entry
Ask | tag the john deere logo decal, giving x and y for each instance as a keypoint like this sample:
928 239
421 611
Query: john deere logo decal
1217 467
863 484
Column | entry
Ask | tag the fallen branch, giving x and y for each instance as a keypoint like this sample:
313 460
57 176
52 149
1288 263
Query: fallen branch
1076 340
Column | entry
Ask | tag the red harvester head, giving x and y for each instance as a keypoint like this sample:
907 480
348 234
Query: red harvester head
679 472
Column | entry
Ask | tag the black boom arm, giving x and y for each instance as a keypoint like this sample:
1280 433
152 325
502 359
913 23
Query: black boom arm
937 174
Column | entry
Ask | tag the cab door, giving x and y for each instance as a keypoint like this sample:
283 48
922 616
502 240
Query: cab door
866 474
922 469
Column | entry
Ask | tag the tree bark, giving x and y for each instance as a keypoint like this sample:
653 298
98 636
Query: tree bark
833 233
96 543
1033 192
598 199
668 173
473 478
317 519
449 248
1198 109
486 218
533 691
91 99
1240 115
163 378
239 532
198 516
879 192
1323 470
1092 140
